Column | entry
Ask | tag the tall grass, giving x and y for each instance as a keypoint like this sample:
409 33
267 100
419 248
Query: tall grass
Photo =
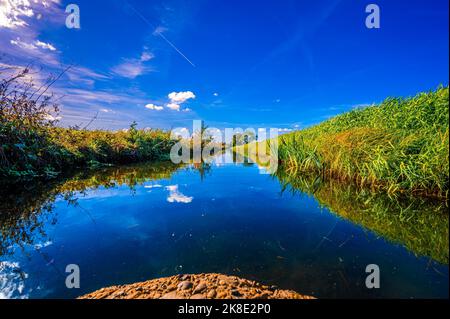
401 145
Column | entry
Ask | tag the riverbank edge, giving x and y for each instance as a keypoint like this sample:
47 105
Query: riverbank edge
199 286
398 146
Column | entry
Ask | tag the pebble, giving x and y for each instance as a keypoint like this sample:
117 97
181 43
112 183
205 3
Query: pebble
221 295
172 287
200 287
211 294
170 295
133 295
184 285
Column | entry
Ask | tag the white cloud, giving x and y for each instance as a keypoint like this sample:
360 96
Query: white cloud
106 110
20 28
12 281
81 75
132 68
146 56
176 197
181 97
178 98
43 245
22 44
173 106
13 13
44 45
154 107
32 46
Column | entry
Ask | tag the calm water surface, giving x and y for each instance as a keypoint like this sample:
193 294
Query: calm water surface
123 225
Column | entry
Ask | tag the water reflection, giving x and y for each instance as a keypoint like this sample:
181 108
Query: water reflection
24 212
418 223
133 223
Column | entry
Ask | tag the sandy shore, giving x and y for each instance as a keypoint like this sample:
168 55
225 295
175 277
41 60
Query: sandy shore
201 286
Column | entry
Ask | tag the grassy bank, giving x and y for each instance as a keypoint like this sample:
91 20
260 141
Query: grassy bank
401 145
45 152
32 146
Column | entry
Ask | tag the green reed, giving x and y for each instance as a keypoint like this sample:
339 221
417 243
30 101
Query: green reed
401 145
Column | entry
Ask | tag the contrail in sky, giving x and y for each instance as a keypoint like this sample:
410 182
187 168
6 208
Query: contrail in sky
160 33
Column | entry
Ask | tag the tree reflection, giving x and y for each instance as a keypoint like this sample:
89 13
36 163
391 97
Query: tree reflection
24 212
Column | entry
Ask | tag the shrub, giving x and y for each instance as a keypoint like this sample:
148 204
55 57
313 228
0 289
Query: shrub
31 145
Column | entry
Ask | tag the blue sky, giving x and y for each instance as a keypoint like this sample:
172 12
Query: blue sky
286 64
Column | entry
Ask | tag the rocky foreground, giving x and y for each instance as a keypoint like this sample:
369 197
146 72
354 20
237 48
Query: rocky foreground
202 286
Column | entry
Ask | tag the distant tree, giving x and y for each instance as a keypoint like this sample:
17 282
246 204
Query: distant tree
243 138
134 133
